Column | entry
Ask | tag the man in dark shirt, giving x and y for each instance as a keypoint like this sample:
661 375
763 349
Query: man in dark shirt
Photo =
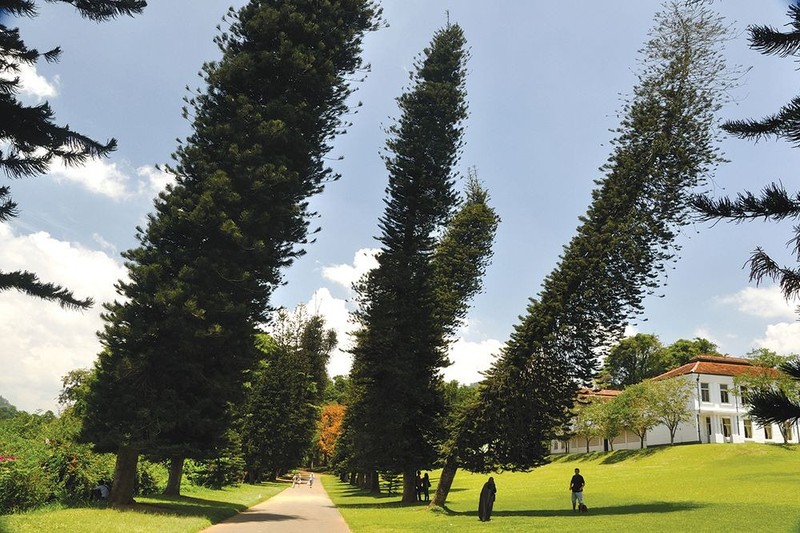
576 486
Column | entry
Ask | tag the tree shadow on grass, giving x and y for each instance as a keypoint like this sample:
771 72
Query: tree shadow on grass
607 458
639 508
213 510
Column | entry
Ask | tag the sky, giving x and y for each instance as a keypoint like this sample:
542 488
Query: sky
545 84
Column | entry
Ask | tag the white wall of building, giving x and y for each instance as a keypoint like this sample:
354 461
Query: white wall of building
717 417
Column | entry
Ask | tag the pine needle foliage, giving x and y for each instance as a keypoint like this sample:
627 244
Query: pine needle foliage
30 140
179 344
773 202
664 150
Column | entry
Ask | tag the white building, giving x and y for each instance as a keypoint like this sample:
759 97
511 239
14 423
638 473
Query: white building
719 415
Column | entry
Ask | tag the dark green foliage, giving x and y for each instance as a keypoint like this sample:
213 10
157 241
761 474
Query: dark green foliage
682 350
30 141
772 397
774 202
664 149
225 470
401 344
176 352
634 359
277 419
337 390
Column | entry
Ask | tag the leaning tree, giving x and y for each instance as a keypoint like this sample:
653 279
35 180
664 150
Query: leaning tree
177 346
664 149
431 260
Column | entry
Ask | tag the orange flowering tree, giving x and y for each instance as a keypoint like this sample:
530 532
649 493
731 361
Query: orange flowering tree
329 427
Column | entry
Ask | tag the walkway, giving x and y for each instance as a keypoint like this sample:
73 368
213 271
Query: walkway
297 510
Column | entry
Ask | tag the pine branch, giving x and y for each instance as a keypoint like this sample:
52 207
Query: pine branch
99 10
763 266
784 124
768 40
8 209
772 407
28 283
775 203
792 369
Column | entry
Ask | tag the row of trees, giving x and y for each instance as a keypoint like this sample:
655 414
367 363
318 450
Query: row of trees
183 347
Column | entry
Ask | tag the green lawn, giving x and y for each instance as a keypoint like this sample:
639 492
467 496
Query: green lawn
709 487
195 510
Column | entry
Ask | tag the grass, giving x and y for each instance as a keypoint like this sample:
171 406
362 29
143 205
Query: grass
708 487
196 509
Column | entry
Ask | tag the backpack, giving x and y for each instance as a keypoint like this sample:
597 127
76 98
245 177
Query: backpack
582 508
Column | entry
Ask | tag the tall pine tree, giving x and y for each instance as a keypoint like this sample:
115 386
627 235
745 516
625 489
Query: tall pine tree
665 148
410 302
177 348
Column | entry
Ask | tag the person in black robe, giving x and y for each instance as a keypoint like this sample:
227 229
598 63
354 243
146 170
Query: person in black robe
486 502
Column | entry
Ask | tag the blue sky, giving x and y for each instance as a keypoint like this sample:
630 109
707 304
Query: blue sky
544 87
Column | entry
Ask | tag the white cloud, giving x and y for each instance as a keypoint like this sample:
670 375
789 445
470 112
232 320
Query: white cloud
156 180
97 176
764 302
110 179
783 338
40 341
34 85
470 359
345 275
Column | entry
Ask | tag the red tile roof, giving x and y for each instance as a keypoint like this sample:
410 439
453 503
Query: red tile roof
718 366
598 393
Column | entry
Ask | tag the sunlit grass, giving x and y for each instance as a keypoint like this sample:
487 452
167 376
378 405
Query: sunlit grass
707 487
196 509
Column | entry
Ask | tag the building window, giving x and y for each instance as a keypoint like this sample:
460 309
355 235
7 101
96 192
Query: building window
723 394
768 432
704 395
726 427
743 394
748 428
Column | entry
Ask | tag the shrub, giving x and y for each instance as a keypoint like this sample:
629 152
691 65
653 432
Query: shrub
23 485
216 473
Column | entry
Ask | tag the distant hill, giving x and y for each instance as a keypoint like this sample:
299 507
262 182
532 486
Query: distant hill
6 409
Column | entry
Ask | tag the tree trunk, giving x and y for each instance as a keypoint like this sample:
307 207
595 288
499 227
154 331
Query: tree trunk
175 475
375 483
409 486
445 481
124 476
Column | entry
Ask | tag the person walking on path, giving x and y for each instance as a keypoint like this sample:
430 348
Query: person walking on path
576 486
486 502
311 480
290 511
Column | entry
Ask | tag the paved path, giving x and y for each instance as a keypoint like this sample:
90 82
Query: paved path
297 509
